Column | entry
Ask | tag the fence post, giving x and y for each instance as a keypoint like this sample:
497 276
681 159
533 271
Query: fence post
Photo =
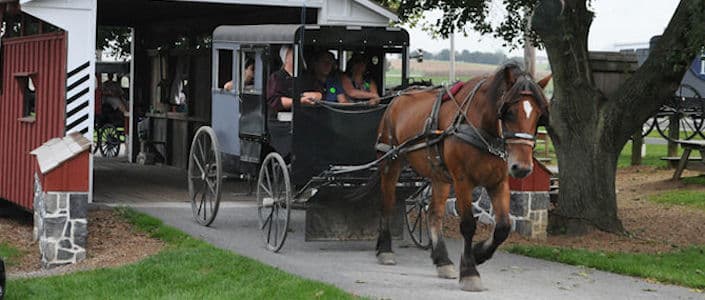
637 142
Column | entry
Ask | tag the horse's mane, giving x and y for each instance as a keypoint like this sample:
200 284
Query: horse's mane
500 88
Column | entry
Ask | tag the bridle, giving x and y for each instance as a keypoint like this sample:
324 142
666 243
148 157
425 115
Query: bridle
506 136
516 138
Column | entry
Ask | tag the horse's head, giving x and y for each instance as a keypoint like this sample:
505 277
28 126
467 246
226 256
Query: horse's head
521 106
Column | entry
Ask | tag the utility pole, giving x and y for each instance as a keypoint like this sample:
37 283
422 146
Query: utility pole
451 78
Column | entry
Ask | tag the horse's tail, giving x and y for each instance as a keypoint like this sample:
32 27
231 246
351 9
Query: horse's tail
370 186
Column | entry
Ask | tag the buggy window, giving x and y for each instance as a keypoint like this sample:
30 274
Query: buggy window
251 71
225 69
392 71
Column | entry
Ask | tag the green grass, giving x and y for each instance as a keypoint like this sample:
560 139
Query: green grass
186 269
696 180
695 199
684 267
9 253
652 158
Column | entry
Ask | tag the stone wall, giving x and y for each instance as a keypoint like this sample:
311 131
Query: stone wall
528 210
60 226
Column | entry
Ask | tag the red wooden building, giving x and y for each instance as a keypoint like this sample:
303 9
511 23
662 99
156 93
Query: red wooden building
32 108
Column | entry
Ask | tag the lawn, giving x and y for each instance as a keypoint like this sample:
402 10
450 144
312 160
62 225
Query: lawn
684 267
695 199
187 269
9 253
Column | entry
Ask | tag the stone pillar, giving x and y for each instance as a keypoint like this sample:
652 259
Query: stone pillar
527 209
60 225
530 210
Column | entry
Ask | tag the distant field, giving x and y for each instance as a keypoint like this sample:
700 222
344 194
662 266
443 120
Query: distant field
438 72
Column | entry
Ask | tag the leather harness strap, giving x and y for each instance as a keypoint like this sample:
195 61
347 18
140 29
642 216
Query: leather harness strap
461 128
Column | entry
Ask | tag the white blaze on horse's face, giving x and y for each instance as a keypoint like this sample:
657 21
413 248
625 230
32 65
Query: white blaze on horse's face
528 108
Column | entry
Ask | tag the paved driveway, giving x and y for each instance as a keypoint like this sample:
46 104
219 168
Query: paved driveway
352 265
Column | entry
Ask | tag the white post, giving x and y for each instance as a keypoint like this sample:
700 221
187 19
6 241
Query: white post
451 78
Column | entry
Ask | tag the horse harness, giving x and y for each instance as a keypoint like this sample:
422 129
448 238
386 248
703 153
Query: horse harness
462 129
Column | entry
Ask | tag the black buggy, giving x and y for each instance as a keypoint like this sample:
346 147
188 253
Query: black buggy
311 157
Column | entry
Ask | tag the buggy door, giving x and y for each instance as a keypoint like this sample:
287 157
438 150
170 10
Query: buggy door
252 98
225 111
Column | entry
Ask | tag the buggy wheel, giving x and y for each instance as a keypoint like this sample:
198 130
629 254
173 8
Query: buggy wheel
647 127
109 141
416 217
205 176
274 201
689 125
685 110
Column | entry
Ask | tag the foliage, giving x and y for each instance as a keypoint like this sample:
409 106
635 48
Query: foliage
187 269
478 15
116 40
683 267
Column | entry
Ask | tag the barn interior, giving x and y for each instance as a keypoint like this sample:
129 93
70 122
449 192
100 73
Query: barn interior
171 66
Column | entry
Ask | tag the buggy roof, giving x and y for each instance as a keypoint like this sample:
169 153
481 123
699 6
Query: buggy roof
313 35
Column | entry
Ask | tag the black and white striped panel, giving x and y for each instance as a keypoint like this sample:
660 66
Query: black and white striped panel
78 99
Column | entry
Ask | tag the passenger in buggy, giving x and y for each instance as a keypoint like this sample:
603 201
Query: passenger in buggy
280 85
113 105
324 77
357 83
248 75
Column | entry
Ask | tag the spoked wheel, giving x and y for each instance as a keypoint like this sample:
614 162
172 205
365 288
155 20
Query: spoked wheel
648 126
274 198
689 124
205 176
109 141
416 217
685 109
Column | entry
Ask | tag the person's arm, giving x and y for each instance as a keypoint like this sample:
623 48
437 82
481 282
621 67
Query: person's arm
373 89
352 92
311 98
123 108
275 99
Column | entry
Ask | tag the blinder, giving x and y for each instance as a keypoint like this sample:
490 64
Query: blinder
516 137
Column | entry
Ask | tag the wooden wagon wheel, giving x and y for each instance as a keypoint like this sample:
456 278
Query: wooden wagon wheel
416 217
205 176
689 119
648 126
109 141
274 198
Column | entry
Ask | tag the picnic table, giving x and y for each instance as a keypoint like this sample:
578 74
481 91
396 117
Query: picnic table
688 147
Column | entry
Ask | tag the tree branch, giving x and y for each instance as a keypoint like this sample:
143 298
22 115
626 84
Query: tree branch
638 98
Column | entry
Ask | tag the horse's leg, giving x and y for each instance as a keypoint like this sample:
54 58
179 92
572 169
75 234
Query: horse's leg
389 176
500 205
469 276
439 253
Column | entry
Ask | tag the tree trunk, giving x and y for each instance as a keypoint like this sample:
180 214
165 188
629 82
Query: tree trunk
588 128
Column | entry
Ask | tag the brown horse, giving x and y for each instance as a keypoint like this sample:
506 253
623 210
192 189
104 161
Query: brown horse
504 109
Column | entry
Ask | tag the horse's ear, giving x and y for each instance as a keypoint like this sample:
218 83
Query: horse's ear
544 82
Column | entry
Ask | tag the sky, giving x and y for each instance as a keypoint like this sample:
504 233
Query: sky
622 21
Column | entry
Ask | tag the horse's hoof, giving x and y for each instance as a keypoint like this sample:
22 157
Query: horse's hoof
471 284
386 258
447 271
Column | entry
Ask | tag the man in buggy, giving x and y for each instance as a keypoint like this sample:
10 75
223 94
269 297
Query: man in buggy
113 108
